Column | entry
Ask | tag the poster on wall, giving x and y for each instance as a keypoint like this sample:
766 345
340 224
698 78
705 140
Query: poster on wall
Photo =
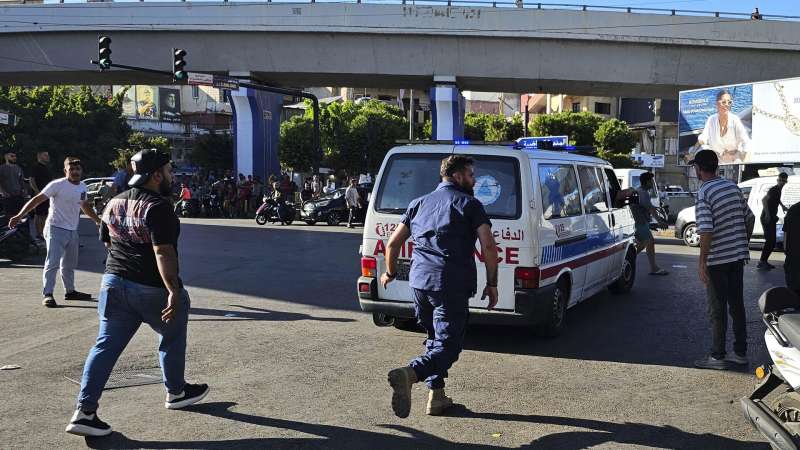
169 103
146 102
744 123
128 100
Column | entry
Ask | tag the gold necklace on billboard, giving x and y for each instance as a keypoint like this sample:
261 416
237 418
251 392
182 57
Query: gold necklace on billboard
791 121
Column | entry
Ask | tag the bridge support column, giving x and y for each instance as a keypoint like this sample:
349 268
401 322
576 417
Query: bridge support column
256 132
447 109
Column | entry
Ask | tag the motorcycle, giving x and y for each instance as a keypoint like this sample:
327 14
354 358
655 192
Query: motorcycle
273 211
188 208
778 418
211 206
16 243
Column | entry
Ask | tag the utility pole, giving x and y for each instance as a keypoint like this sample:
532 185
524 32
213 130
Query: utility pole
411 115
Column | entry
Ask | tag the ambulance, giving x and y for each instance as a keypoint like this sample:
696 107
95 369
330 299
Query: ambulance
561 235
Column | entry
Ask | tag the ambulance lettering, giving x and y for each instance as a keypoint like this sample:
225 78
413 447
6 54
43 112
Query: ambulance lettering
509 255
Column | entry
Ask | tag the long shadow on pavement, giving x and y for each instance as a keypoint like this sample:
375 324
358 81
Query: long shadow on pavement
252 313
331 436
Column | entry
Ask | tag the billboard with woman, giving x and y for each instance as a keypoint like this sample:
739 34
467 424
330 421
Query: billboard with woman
744 123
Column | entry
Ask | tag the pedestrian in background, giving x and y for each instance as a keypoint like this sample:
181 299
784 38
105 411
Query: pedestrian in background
12 184
40 177
140 285
724 222
353 200
316 186
769 220
791 247
121 177
643 212
67 199
444 226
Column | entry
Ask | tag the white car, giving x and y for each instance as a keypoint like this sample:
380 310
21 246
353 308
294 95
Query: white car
754 191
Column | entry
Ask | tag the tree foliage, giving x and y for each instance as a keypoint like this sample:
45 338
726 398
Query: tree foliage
580 127
296 150
213 151
137 142
615 141
64 121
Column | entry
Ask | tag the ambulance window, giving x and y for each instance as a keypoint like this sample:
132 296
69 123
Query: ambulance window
560 196
614 188
409 176
593 190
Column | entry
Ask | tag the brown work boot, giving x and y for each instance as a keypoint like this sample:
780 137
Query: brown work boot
400 380
438 402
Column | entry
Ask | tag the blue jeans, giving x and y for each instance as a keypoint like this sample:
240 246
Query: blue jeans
122 306
444 316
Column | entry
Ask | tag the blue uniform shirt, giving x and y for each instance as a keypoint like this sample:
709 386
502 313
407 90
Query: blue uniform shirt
443 226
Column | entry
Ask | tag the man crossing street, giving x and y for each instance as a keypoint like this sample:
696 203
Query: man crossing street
444 226
769 220
140 285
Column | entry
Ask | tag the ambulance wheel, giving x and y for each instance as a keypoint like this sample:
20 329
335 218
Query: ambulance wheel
333 219
554 324
624 283
382 320
405 324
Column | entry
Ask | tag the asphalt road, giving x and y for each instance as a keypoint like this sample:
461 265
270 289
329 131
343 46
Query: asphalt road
276 331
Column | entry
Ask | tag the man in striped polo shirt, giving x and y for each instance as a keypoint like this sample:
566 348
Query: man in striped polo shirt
723 219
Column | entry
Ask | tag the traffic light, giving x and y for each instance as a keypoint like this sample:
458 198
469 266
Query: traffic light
178 63
104 52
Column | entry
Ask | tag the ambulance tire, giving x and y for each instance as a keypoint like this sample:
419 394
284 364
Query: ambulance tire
405 324
624 283
382 320
555 322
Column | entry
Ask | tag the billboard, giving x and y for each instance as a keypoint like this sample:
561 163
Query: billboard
169 104
146 102
743 123
128 100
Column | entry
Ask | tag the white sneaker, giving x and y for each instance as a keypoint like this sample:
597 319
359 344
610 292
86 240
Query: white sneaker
83 424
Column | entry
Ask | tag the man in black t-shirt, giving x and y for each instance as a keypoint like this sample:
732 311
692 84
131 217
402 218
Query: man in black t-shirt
140 285
791 247
769 219
39 178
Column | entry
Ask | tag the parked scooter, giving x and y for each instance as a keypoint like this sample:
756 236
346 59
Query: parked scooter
273 211
15 243
778 418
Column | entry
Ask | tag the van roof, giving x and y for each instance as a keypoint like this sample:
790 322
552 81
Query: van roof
793 179
495 150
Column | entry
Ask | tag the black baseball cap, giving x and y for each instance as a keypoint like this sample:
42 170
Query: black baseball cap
705 159
145 163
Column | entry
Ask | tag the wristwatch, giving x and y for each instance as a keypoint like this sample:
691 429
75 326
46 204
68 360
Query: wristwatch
390 276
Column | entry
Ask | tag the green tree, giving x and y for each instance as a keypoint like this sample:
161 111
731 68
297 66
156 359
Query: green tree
296 149
580 127
615 141
65 121
137 142
213 151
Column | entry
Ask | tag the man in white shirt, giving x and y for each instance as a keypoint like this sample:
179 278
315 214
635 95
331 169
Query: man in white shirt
353 200
67 199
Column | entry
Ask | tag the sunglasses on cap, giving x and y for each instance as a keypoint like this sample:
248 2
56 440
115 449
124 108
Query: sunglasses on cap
74 162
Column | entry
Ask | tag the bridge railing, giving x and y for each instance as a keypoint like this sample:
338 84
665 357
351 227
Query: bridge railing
524 4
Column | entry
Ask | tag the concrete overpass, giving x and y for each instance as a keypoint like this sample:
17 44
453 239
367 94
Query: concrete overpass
399 46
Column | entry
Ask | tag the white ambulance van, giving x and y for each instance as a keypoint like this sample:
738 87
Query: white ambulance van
561 238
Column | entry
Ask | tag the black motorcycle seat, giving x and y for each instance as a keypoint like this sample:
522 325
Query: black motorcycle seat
789 325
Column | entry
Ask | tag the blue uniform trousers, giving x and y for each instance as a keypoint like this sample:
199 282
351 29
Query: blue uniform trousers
443 315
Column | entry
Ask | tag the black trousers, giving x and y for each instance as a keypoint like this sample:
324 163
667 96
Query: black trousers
726 296
770 236
353 215
11 207
791 270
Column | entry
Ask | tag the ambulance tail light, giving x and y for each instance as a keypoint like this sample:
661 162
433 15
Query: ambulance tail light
369 267
526 277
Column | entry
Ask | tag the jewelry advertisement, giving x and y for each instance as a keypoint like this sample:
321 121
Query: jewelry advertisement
744 123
